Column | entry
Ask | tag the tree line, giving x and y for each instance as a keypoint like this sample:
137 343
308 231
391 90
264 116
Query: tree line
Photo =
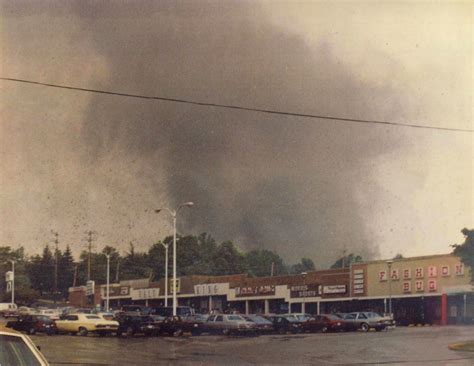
196 255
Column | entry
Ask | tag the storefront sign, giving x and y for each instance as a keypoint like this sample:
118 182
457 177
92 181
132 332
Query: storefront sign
177 286
90 287
358 284
334 289
459 269
432 285
310 290
266 290
419 286
406 287
145 293
432 272
116 291
407 274
395 275
445 271
211 289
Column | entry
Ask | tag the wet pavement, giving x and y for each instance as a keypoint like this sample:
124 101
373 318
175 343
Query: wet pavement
406 346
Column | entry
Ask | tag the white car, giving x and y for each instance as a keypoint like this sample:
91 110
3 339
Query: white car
52 314
83 324
19 349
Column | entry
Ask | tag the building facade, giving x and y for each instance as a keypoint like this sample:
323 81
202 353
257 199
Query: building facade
421 290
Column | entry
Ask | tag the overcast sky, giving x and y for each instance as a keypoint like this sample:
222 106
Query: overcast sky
73 161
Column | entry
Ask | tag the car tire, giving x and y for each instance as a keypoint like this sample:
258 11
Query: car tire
364 327
82 332
129 332
324 329
226 332
31 331
178 332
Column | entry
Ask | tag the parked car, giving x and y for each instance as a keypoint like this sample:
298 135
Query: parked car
324 323
283 324
230 324
19 349
33 324
53 314
130 325
364 321
8 310
263 325
181 311
83 324
25 310
298 317
176 326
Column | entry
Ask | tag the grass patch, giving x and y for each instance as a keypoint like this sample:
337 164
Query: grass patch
464 346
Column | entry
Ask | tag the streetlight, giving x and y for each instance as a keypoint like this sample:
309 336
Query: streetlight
389 263
108 284
173 214
13 280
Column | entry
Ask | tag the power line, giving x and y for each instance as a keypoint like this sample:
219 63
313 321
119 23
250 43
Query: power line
236 107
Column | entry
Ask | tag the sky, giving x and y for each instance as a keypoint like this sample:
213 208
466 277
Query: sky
73 161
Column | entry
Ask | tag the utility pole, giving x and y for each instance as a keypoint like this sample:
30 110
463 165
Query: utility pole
56 244
344 257
117 271
89 240
75 276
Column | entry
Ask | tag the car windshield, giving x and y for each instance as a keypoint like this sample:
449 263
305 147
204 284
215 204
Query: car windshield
92 317
14 351
258 319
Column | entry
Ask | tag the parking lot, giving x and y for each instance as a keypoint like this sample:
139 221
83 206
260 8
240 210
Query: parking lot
407 346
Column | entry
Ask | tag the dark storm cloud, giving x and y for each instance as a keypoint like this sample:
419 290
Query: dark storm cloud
288 184
265 182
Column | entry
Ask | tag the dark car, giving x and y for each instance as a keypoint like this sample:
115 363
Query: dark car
33 324
283 324
140 309
166 311
130 325
324 323
263 325
176 326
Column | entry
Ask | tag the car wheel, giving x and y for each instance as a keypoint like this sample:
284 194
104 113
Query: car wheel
178 332
129 332
226 332
31 331
82 331
364 327
324 329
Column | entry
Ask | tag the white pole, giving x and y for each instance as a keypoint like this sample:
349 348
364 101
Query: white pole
13 282
166 273
174 263
108 283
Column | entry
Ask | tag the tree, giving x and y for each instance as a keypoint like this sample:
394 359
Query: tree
346 261
305 265
259 263
228 260
65 272
466 250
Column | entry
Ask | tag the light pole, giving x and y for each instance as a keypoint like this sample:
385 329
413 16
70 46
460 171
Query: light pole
13 280
108 284
173 214
389 263
303 308
166 272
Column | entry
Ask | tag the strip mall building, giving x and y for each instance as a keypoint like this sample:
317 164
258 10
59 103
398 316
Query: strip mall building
428 290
